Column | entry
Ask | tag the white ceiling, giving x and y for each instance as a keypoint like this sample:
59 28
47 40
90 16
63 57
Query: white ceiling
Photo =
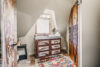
29 10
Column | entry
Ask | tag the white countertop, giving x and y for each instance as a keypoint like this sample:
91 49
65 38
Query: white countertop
46 37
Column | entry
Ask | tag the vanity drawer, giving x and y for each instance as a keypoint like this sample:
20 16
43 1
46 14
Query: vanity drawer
46 53
43 48
55 46
55 41
55 51
43 42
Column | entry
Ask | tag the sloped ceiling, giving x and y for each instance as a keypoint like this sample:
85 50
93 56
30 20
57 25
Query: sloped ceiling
28 12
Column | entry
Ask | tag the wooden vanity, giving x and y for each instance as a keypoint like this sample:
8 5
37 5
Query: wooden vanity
47 46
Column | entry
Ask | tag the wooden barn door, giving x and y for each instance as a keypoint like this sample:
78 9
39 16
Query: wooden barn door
9 33
73 34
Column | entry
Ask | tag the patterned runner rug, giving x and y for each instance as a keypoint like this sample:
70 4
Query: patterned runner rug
57 61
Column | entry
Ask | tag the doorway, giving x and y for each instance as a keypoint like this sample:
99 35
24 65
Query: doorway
58 13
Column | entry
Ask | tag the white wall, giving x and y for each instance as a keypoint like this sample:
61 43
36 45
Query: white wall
30 10
91 33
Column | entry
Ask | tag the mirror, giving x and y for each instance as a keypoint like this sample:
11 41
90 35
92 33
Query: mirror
46 23
43 26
